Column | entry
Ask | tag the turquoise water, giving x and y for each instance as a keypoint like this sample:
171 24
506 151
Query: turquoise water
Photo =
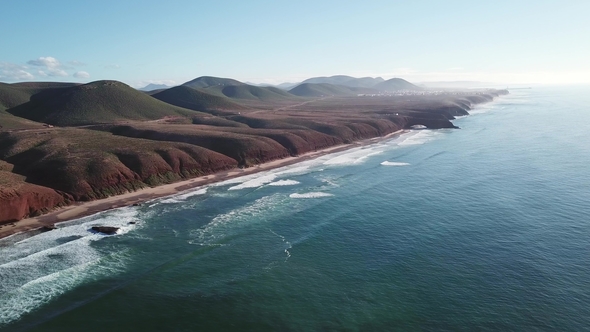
482 228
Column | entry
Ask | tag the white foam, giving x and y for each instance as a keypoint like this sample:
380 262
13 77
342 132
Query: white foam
281 183
418 137
39 268
37 292
310 195
394 163
183 196
292 170
354 156
223 224
262 178
255 182
482 108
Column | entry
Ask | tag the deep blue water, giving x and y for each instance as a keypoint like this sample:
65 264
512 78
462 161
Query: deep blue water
482 228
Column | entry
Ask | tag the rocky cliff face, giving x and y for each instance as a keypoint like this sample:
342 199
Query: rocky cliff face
47 169
20 199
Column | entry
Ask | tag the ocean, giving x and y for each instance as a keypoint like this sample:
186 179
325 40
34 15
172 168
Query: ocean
486 228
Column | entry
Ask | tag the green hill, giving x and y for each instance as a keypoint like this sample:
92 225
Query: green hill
396 84
207 81
194 99
96 102
236 90
249 92
12 95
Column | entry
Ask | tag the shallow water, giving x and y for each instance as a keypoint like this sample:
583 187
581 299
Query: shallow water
485 228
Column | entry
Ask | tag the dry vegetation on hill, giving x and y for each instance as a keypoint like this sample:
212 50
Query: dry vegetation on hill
61 143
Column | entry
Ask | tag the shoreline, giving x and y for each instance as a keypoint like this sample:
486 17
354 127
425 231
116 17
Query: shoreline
83 209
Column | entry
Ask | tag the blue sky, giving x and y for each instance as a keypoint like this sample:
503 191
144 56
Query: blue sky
171 42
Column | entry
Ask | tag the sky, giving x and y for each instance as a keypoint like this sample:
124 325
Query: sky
171 42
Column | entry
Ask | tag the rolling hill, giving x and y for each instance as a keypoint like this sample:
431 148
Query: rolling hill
184 96
93 103
238 91
244 92
12 95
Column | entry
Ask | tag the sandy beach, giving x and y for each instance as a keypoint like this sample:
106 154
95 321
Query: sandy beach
81 209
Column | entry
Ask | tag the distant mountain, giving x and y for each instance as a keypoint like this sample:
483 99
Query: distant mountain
195 99
152 87
396 84
364 82
236 90
282 86
286 85
377 83
325 89
95 102
207 81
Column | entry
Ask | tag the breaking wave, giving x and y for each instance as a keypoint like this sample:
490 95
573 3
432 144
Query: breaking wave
183 196
38 269
394 163
228 223
310 195
281 183
263 178
355 156
255 183
419 137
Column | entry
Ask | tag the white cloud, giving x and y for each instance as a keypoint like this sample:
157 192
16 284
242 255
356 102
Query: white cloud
52 73
49 62
14 72
52 66
81 74
57 72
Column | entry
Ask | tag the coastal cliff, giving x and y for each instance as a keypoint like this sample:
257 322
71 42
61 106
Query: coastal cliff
43 166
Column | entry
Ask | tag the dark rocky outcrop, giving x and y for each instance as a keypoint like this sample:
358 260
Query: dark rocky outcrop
108 230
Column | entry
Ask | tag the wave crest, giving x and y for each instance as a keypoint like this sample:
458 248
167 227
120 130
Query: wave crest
310 195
